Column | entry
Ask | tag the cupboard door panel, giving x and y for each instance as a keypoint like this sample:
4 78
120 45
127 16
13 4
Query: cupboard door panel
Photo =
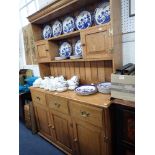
96 42
89 139
62 130
43 121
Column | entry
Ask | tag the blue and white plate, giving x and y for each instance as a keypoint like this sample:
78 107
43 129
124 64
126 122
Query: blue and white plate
84 20
78 48
102 14
68 25
47 32
57 28
86 90
65 50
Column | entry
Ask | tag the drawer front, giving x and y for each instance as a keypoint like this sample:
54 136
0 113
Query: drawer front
90 114
58 103
38 97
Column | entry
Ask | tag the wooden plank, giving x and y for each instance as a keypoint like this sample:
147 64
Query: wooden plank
94 74
52 69
77 70
101 73
67 71
72 69
82 73
55 69
88 72
108 70
59 69
63 69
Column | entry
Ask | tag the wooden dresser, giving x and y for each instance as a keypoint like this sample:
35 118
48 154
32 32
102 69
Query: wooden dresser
79 125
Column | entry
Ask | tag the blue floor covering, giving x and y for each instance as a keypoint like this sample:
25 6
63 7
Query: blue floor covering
33 144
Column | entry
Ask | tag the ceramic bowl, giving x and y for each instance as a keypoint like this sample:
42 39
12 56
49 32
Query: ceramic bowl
102 13
83 20
65 50
47 32
104 87
68 25
57 28
86 90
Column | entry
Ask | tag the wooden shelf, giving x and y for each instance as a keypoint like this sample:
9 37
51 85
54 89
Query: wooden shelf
64 36
78 60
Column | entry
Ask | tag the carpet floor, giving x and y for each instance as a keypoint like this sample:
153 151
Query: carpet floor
33 144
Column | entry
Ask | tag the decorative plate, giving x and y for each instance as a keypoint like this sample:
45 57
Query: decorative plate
78 48
86 90
68 25
84 20
65 49
104 87
57 28
102 14
47 32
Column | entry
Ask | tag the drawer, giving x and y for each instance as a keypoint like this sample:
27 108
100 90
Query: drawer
38 97
88 113
57 103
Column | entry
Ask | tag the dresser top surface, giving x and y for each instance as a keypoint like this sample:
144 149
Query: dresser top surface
98 99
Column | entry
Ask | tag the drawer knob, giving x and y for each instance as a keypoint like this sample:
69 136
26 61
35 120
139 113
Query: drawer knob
57 105
49 125
38 98
83 44
75 140
53 127
84 114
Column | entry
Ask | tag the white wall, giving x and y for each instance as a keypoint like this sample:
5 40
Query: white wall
128 37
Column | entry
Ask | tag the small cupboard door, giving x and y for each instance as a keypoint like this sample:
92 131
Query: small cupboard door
46 50
62 129
42 50
88 139
42 118
97 41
